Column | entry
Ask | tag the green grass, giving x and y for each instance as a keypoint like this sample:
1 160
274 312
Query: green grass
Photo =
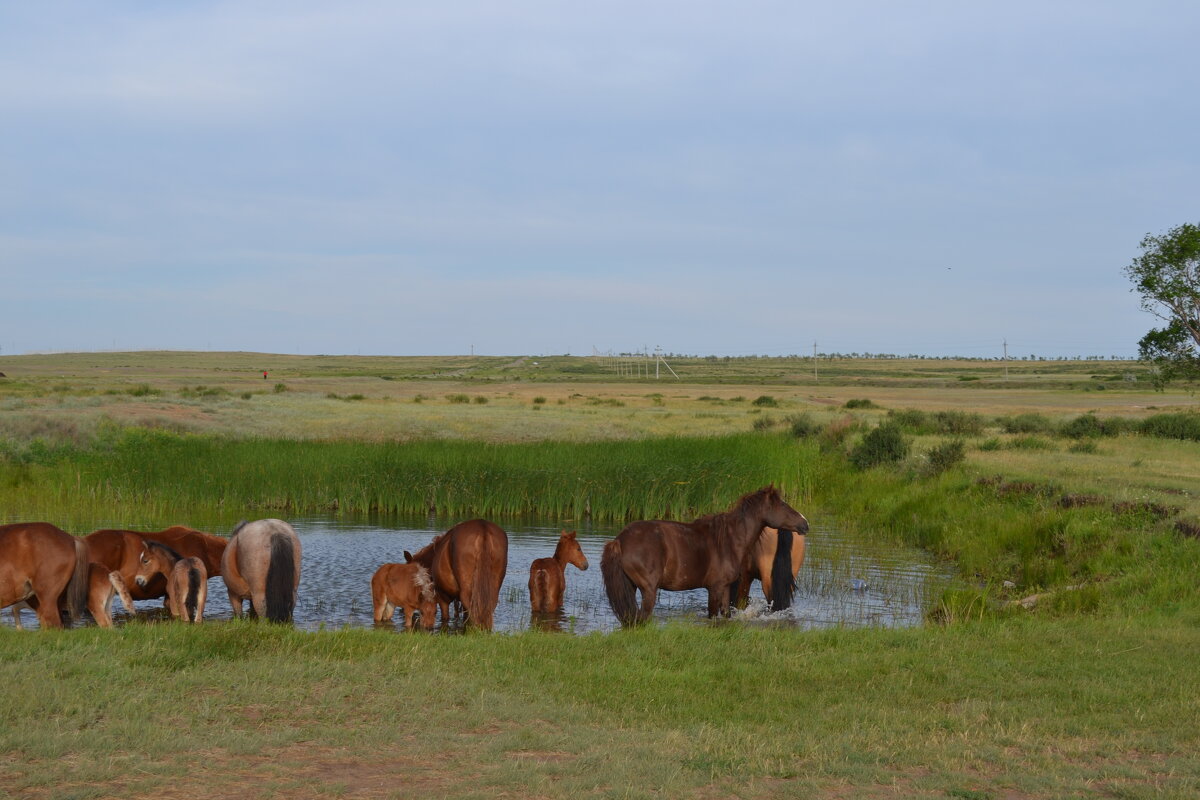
155 470
1029 708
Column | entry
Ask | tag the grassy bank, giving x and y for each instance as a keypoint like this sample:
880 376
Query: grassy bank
1029 708
150 474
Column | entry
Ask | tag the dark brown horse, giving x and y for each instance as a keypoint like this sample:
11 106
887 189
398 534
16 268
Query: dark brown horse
262 564
39 561
548 576
762 565
707 553
117 549
467 563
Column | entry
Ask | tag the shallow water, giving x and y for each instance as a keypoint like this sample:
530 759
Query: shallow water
844 581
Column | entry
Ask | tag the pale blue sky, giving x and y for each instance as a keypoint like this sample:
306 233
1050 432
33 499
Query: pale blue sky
541 177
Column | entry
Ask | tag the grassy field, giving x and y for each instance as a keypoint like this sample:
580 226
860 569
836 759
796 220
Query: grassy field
1080 500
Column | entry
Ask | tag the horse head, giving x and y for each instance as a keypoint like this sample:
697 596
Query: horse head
778 514
154 559
569 551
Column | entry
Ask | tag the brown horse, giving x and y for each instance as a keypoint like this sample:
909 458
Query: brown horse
102 587
706 553
39 561
187 589
467 563
760 565
407 587
118 550
548 576
261 564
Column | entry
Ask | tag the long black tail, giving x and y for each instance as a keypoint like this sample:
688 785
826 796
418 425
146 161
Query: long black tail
281 579
783 582
622 594
193 590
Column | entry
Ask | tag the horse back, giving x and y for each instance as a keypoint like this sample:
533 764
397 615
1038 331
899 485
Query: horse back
195 544
672 554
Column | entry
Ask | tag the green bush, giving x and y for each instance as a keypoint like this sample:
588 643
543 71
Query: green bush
458 398
1029 443
882 445
765 401
860 402
946 455
1172 426
910 419
803 425
1026 423
480 400
764 423
1089 426
280 388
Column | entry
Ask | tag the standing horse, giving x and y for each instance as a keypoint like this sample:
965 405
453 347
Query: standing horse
102 587
118 549
548 576
707 553
762 565
467 563
407 587
40 562
187 589
261 564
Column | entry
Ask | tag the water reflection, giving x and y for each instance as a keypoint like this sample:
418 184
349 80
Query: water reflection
844 581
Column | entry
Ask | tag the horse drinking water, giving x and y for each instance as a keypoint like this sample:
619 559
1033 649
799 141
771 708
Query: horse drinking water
547 576
261 564
707 553
407 587
467 563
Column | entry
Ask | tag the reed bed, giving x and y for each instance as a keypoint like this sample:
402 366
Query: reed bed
144 472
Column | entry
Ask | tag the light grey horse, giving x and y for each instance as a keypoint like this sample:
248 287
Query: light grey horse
262 564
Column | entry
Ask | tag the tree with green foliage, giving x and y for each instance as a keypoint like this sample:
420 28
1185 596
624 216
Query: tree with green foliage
1167 276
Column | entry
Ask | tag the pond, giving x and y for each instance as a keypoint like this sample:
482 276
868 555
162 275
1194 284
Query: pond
845 580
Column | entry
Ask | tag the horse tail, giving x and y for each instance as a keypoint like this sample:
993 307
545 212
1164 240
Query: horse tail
193 592
622 594
541 592
485 594
77 587
281 579
783 582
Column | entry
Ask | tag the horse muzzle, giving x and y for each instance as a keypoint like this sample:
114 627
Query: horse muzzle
140 580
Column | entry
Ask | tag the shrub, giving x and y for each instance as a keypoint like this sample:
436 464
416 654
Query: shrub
1089 426
537 401
957 423
882 445
280 388
480 400
1172 426
910 419
835 433
765 401
1029 443
803 426
946 455
1026 423
1083 447
458 398
989 445
143 390
861 402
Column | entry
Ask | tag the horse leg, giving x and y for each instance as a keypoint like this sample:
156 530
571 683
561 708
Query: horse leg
235 602
718 601
649 598
16 609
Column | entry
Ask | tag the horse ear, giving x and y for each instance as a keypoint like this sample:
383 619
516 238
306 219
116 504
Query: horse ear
407 557
570 534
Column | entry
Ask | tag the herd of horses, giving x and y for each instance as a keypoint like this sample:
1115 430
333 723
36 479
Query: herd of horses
56 574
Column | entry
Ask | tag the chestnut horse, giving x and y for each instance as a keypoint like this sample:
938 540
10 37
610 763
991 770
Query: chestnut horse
261 564
707 553
467 563
761 565
187 589
129 554
102 587
407 587
548 576
40 562
117 548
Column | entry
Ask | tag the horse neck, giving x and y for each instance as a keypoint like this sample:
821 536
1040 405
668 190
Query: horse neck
561 555
739 528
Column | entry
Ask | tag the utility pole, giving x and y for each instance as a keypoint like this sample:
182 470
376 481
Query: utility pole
1006 358
815 379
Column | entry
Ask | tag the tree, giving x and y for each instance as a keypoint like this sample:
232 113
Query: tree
1167 276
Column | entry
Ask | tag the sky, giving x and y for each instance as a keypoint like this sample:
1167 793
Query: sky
525 178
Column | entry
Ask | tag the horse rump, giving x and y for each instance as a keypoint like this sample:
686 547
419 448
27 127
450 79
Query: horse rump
193 593
281 579
622 594
485 594
783 582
